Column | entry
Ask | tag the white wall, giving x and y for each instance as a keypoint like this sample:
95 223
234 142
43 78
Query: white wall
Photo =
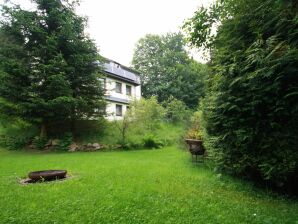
111 111
111 89
110 85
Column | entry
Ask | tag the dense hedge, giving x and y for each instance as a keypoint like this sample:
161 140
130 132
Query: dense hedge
251 108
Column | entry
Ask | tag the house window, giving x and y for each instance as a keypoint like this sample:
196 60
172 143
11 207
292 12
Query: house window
118 110
118 87
128 90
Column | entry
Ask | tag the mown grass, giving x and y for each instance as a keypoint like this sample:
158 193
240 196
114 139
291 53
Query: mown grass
144 186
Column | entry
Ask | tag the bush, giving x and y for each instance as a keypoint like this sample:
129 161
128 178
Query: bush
176 110
14 142
166 133
144 118
147 114
196 130
251 107
16 134
132 145
89 130
64 142
152 142
39 142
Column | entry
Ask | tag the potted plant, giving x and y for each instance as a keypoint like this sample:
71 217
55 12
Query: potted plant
194 138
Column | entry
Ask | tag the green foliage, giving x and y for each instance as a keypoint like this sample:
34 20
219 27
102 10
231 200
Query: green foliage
152 142
123 126
196 120
165 133
130 146
166 69
196 130
47 64
194 134
145 124
64 142
89 130
176 110
146 114
251 107
15 133
12 142
39 142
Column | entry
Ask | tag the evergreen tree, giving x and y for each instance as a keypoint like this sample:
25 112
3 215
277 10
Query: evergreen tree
48 72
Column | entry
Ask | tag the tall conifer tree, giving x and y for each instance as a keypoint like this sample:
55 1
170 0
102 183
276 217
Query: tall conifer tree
48 72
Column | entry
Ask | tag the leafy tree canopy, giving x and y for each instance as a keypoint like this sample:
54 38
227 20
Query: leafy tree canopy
166 69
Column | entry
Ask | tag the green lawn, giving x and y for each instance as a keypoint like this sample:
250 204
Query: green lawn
157 186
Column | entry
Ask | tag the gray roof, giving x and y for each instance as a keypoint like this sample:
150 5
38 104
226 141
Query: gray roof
122 72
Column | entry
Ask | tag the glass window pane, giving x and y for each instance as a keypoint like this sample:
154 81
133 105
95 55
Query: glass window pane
118 87
118 110
128 90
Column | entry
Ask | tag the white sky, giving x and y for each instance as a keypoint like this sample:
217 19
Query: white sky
116 25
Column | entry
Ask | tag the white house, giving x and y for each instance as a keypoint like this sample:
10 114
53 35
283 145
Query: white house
122 85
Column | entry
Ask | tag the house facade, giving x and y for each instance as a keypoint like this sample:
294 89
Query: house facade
122 85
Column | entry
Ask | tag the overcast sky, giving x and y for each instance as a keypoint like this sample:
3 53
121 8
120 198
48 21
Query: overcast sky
116 25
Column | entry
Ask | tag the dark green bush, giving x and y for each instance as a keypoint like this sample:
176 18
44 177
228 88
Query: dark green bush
64 142
152 142
131 145
14 142
251 107
16 134
39 142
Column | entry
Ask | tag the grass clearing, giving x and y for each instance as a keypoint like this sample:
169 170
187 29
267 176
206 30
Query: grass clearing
144 186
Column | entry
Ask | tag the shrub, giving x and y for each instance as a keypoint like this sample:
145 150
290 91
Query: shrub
90 130
144 116
64 142
14 142
132 145
151 142
16 134
251 107
196 130
39 142
147 114
176 110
